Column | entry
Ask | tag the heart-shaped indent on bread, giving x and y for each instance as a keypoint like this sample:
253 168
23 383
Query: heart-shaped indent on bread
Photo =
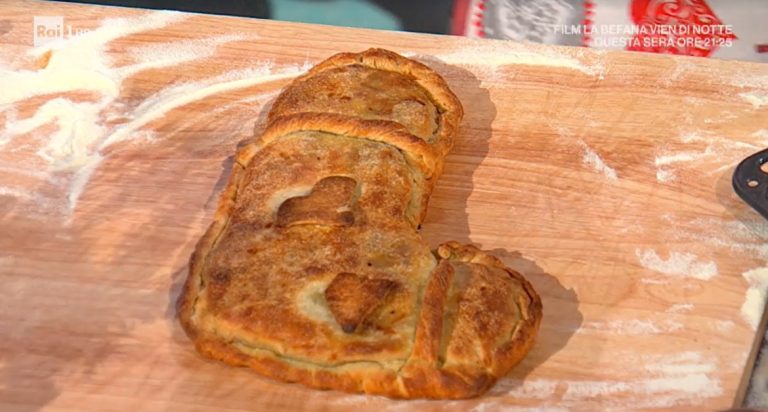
329 203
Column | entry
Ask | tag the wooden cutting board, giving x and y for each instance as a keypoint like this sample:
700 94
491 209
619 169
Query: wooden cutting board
603 177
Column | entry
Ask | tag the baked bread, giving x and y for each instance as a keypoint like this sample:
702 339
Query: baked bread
313 270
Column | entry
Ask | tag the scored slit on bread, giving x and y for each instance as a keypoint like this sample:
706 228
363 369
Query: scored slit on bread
313 270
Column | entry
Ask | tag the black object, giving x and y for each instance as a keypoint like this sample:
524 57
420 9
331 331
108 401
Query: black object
750 181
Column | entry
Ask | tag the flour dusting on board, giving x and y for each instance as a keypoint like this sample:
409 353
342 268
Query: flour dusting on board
761 134
525 389
589 156
680 308
84 130
78 63
678 264
683 157
663 175
632 327
169 54
486 57
724 325
756 98
716 152
747 238
754 301
681 381
660 380
592 159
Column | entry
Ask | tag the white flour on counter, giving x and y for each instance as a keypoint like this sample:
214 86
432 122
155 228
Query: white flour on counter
664 176
724 325
179 95
721 152
680 308
746 238
756 98
170 54
754 301
682 157
592 159
632 327
761 134
486 57
678 264
675 379
589 156
79 63
84 129
659 381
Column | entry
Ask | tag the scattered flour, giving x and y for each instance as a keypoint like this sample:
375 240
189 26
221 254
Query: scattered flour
724 325
690 137
660 380
529 389
716 143
170 54
486 57
649 281
663 175
694 101
83 129
761 134
683 157
756 98
686 388
634 327
80 180
591 158
720 153
678 264
78 63
754 302
678 364
179 95
680 307
745 78
14 192
746 238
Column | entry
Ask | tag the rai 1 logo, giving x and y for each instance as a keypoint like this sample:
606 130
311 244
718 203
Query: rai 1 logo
48 29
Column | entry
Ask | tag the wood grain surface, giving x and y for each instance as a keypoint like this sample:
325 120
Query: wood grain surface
603 177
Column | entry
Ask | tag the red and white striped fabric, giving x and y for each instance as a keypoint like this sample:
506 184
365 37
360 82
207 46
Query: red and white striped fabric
726 29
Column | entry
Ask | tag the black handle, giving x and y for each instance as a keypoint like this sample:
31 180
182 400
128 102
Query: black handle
751 183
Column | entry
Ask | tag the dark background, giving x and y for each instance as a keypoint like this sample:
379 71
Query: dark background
427 16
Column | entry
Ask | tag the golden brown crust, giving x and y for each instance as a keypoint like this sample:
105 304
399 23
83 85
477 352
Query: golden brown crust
312 270
450 109
387 132
421 376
